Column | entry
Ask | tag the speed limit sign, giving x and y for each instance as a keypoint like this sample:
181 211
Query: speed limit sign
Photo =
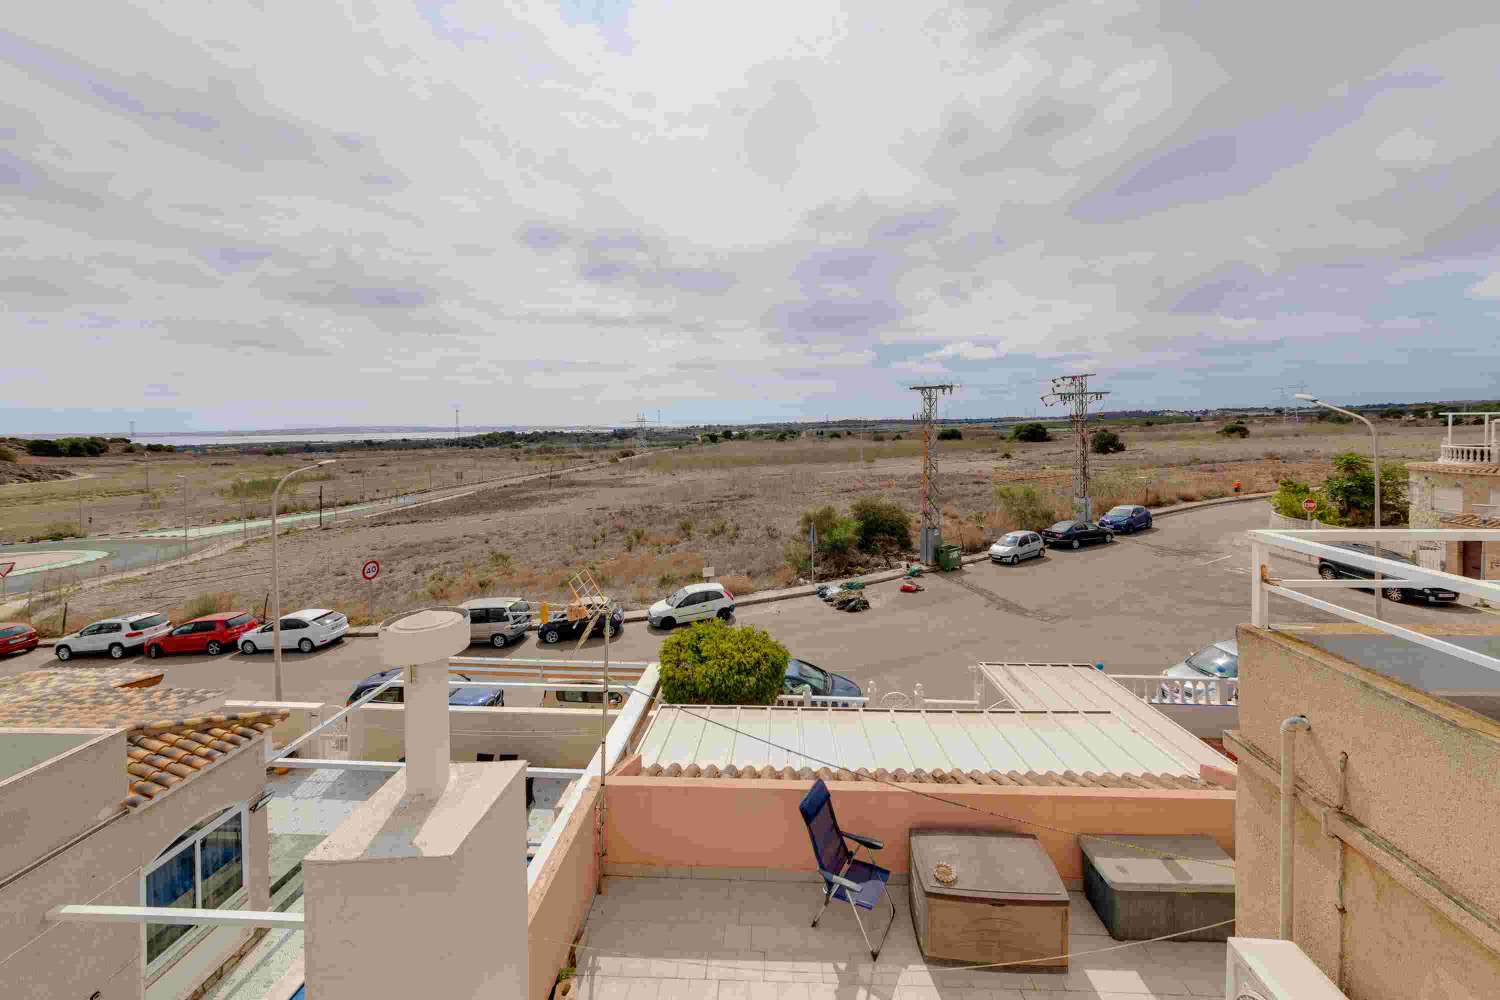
371 569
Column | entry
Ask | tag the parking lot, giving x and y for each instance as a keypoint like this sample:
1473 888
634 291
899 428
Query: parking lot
1137 605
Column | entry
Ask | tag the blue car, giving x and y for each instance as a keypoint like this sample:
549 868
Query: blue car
485 697
1127 518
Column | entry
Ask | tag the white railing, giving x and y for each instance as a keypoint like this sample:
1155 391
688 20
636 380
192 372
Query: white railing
1159 690
1468 454
1263 584
821 701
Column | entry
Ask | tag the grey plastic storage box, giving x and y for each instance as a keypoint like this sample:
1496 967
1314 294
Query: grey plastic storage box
1140 894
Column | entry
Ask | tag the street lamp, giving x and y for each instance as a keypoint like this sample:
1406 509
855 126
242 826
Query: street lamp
276 575
1375 453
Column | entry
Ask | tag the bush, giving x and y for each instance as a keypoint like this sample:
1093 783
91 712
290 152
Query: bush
1030 432
882 524
713 663
1106 442
6 455
56 531
1235 430
1393 414
1025 507
950 434
1287 501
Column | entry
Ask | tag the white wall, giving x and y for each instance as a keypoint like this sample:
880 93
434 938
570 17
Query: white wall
546 737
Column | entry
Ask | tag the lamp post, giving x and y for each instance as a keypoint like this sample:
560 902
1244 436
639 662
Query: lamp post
276 576
1375 454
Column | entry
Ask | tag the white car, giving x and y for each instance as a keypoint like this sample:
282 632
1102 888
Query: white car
1016 546
1216 660
694 603
303 630
115 636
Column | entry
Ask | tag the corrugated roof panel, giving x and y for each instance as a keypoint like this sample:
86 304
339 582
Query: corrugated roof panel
916 734
1063 744
999 753
853 743
1009 682
886 742
750 746
785 731
817 738
716 742
1036 754
1076 687
681 746
656 736
1112 755
952 732
1167 735
1150 759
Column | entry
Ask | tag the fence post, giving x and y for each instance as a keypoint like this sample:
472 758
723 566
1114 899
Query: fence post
919 698
1257 589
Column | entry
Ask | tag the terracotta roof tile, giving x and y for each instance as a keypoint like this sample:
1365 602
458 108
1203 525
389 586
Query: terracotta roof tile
96 697
159 756
1468 521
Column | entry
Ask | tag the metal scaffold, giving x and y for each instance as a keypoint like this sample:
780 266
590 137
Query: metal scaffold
1073 392
931 536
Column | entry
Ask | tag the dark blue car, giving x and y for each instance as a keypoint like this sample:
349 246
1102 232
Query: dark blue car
803 676
1126 518
485 697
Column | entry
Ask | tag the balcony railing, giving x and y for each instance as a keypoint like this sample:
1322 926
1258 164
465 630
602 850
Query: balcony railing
1159 690
1469 454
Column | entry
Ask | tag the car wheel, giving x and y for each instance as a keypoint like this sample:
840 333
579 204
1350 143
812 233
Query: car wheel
551 636
248 648
1075 543
213 648
116 651
1394 594
153 651
498 640
63 652
1014 560
725 614
1109 536
668 623
1327 572
306 645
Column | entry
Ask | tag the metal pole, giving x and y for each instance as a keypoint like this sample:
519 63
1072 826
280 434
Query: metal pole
184 516
1289 729
276 580
320 505
1375 454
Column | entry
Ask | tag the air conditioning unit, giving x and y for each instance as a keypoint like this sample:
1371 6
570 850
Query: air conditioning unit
1268 969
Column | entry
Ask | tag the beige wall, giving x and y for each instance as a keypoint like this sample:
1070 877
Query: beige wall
544 737
1422 484
1416 835
560 898
74 960
735 823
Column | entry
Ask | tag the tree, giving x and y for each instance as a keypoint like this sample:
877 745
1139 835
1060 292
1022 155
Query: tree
1351 490
1287 501
883 524
1393 414
836 535
714 663
1105 442
950 434
1235 430
1025 507
1031 432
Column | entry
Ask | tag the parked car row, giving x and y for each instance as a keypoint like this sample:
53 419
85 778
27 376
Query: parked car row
1017 546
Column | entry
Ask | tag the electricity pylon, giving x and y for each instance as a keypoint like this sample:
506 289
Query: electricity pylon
927 547
1073 391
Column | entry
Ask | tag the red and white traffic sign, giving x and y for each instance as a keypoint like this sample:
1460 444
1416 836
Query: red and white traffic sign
5 569
1309 505
370 570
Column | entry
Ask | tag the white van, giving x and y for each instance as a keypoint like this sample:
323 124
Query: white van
498 621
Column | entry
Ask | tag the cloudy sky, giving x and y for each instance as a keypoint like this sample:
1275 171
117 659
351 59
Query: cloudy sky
273 214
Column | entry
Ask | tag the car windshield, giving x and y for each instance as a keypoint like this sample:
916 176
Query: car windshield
149 621
676 598
1214 660
1120 511
328 617
1061 526
815 676
1013 539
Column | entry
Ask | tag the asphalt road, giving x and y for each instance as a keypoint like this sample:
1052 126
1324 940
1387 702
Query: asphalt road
1137 605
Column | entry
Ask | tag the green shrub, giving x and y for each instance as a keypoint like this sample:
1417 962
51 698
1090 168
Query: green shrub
713 663
1025 507
882 524
1393 414
1287 501
56 531
1105 442
1030 432
1235 430
950 434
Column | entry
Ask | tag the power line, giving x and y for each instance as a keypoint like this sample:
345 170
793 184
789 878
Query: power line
1074 392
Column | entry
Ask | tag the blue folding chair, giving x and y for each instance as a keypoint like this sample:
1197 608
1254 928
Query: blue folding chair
859 883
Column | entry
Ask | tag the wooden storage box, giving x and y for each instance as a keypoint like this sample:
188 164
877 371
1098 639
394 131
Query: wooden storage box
1148 887
1007 903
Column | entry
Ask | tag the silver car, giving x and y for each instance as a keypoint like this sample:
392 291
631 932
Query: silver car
1216 660
1015 546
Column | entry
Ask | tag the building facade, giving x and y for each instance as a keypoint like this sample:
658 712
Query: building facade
1462 490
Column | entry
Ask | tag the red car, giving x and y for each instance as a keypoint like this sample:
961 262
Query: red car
16 637
211 634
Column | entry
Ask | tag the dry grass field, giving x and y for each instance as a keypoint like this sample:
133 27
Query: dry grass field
647 525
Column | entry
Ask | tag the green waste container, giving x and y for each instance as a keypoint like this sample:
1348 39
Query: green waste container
950 557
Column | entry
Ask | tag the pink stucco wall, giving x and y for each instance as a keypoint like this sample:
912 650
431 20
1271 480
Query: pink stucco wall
560 898
734 823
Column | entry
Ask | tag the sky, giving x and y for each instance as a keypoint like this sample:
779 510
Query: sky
271 215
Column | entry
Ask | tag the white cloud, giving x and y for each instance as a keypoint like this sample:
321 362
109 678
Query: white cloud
795 201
